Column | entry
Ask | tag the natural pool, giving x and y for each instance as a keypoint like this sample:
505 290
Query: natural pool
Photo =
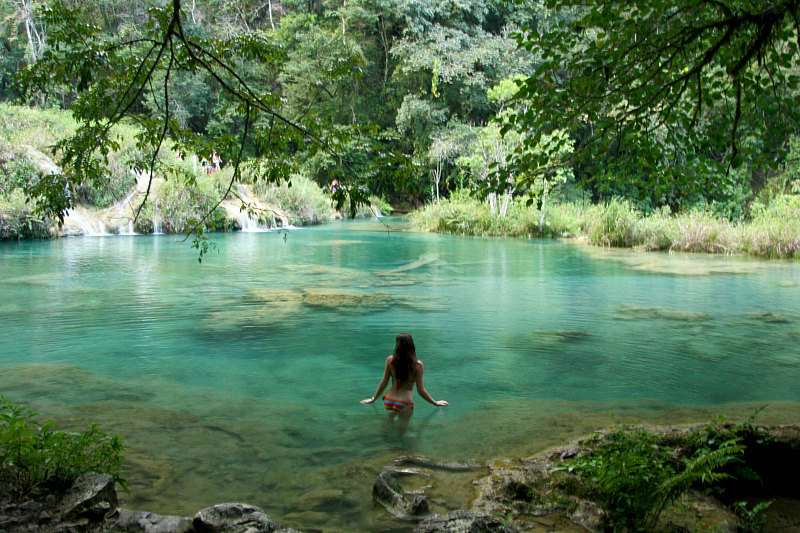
239 378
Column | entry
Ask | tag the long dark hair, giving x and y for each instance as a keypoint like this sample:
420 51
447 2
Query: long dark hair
405 358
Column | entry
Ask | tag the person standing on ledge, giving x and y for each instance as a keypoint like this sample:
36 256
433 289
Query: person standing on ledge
405 370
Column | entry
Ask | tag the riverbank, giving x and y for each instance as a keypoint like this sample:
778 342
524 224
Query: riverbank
773 231
714 476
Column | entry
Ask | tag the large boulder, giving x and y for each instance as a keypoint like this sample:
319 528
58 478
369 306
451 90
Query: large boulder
233 518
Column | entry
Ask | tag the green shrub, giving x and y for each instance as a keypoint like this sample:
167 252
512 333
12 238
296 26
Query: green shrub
612 224
34 455
635 477
563 220
657 232
301 198
753 518
183 200
700 231
774 230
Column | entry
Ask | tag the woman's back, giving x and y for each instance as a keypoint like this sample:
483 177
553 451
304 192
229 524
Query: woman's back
406 382
405 370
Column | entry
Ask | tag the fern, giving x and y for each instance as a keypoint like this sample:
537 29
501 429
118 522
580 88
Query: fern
703 469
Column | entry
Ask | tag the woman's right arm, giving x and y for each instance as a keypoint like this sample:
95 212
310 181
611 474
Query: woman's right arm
384 381
423 391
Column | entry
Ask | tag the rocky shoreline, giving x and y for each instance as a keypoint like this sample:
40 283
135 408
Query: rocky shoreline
536 493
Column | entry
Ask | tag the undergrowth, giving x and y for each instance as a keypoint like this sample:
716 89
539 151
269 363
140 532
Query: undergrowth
772 231
36 455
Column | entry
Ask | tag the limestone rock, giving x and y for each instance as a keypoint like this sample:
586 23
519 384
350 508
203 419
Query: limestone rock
91 496
233 518
464 522
589 515
405 505
146 522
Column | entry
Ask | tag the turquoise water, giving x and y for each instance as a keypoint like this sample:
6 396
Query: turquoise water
239 378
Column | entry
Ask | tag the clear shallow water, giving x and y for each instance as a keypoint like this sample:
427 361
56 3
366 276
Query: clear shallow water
239 378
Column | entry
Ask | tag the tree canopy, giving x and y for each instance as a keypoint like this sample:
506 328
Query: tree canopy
663 103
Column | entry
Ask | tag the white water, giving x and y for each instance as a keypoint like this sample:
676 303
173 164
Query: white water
376 211
250 224
126 228
89 227
157 223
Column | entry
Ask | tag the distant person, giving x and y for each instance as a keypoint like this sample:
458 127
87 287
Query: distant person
405 370
216 160
334 186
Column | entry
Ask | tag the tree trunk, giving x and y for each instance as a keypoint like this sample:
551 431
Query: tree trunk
541 212
492 198
437 177
36 39
269 10
506 203
384 41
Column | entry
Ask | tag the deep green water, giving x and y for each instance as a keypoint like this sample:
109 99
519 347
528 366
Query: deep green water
230 382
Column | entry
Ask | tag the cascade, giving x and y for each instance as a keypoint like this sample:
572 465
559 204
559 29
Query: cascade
88 226
157 222
247 222
250 224
126 228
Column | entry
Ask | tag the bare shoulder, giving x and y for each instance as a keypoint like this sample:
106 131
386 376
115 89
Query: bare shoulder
419 363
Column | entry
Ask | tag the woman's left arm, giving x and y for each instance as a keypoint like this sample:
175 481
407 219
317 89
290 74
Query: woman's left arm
382 385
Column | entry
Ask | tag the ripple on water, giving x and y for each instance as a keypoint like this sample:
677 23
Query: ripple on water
240 378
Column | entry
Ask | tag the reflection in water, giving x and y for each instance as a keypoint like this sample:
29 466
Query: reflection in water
239 379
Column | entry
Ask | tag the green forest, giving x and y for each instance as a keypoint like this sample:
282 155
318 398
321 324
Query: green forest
218 217
663 125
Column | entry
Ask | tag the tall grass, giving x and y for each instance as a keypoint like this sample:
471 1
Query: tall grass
303 201
464 215
773 231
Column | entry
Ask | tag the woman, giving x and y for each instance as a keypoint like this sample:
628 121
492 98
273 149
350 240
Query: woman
405 370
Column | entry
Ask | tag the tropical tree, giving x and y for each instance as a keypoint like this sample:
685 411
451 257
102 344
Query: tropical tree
663 93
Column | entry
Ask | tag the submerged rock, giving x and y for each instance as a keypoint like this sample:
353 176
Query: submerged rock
146 522
422 462
635 312
768 317
562 335
404 505
339 299
675 264
464 522
423 261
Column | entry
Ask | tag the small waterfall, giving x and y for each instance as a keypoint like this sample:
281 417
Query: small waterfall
88 226
247 222
376 211
250 224
126 228
157 222
285 224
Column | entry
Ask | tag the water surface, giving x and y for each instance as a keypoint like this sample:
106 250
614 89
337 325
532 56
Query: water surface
239 378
